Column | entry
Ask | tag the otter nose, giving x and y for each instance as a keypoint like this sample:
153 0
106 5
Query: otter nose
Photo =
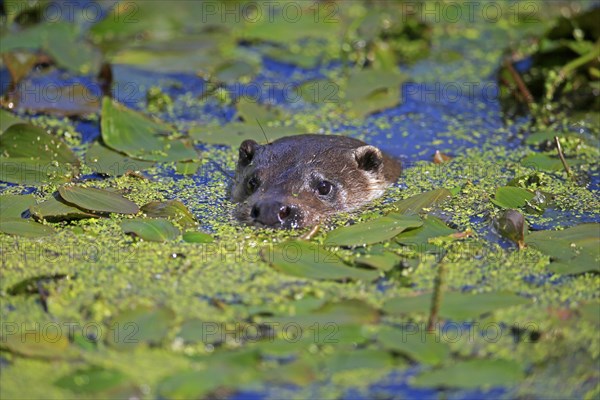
271 212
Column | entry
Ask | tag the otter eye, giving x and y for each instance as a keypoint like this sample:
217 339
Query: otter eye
252 184
324 188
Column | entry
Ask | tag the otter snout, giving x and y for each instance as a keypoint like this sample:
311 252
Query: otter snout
274 213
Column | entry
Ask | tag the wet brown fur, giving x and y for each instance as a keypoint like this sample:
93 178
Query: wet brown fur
289 168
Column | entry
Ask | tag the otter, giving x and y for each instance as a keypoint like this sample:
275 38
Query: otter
297 181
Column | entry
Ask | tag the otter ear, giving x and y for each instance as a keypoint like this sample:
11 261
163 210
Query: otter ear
369 158
247 150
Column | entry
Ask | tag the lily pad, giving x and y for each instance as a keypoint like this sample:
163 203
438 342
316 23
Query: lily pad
545 162
197 237
106 161
311 261
56 209
471 374
423 201
572 251
455 306
7 119
93 379
24 227
140 325
173 210
154 230
415 343
371 359
512 197
138 136
373 231
318 91
29 155
97 200
13 205
385 261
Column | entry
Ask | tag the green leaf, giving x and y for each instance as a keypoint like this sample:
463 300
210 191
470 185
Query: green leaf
249 111
383 262
371 359
188 167
572 251
93 379
29 155
197 237
590 312
173 210
24 227
512 197
432 227
105 161
234 133
545 162
333 314
50 342
154 230
419 345
68 100
455 306
56 209
318 91
423 201
373 231
98 200
138 136
60 40
8 119
140 325
306 260
13 205
473 374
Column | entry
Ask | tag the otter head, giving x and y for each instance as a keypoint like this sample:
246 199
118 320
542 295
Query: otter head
298 180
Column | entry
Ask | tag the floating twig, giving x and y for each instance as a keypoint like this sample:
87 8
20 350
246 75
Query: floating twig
310 234
562 157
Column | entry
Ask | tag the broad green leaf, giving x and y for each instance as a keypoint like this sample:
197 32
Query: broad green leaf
138 136
188 167
572 251
8 119
371 359
235 70
234 133
344 312
197 237
173 210
140 325
249 111
51 342
472 374
97 200
454 305
373 231
379 100
24 227
60 100
29 155
416 343
154 230
546 163
363 83
432 227
105 161
13 205
93 379
306 260
423 201
61 41
512 197
318 91
385 261
56 209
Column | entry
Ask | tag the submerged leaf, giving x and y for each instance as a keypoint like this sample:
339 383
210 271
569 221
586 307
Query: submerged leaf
140 325
97 200
93 379
171 209
154 230
415 343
